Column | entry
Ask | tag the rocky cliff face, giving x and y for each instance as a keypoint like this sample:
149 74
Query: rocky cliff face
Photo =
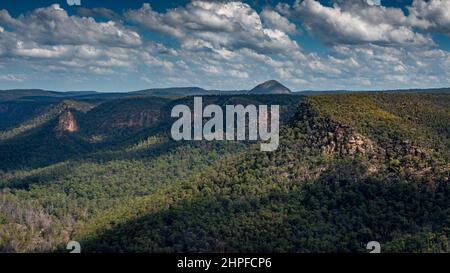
345 141
133 120
335 139
66 123
130 120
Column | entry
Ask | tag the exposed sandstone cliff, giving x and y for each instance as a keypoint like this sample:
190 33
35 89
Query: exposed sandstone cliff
66 123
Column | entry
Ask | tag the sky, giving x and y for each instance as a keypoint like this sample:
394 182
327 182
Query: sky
119 45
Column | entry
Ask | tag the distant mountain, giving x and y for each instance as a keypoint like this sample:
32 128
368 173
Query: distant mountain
19 93
14 94
175 91
270 87
320 92
428 90
330 92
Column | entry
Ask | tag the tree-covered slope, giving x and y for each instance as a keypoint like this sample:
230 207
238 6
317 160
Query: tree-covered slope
328 188
349 169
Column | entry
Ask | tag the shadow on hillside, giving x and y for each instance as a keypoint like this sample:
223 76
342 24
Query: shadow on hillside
40 147
166 155
329 215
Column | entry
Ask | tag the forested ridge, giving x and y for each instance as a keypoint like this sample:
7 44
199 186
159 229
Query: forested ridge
351 168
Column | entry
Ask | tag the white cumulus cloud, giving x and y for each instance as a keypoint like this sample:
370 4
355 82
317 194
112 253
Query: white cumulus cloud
216 25
358 22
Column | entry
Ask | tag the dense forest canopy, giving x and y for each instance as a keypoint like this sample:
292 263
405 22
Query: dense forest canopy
350 168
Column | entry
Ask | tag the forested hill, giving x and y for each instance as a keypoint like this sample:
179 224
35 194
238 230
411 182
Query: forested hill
351 168
268 87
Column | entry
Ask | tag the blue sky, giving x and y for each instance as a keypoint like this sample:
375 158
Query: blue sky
116 45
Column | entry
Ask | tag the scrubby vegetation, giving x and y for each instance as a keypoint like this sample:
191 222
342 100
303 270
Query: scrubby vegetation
351 168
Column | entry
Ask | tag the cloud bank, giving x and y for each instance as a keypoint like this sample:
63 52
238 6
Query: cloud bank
228 45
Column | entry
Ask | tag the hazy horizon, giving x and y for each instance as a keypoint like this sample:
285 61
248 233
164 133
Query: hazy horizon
229 90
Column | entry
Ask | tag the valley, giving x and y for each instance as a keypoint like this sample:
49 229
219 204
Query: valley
104 171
